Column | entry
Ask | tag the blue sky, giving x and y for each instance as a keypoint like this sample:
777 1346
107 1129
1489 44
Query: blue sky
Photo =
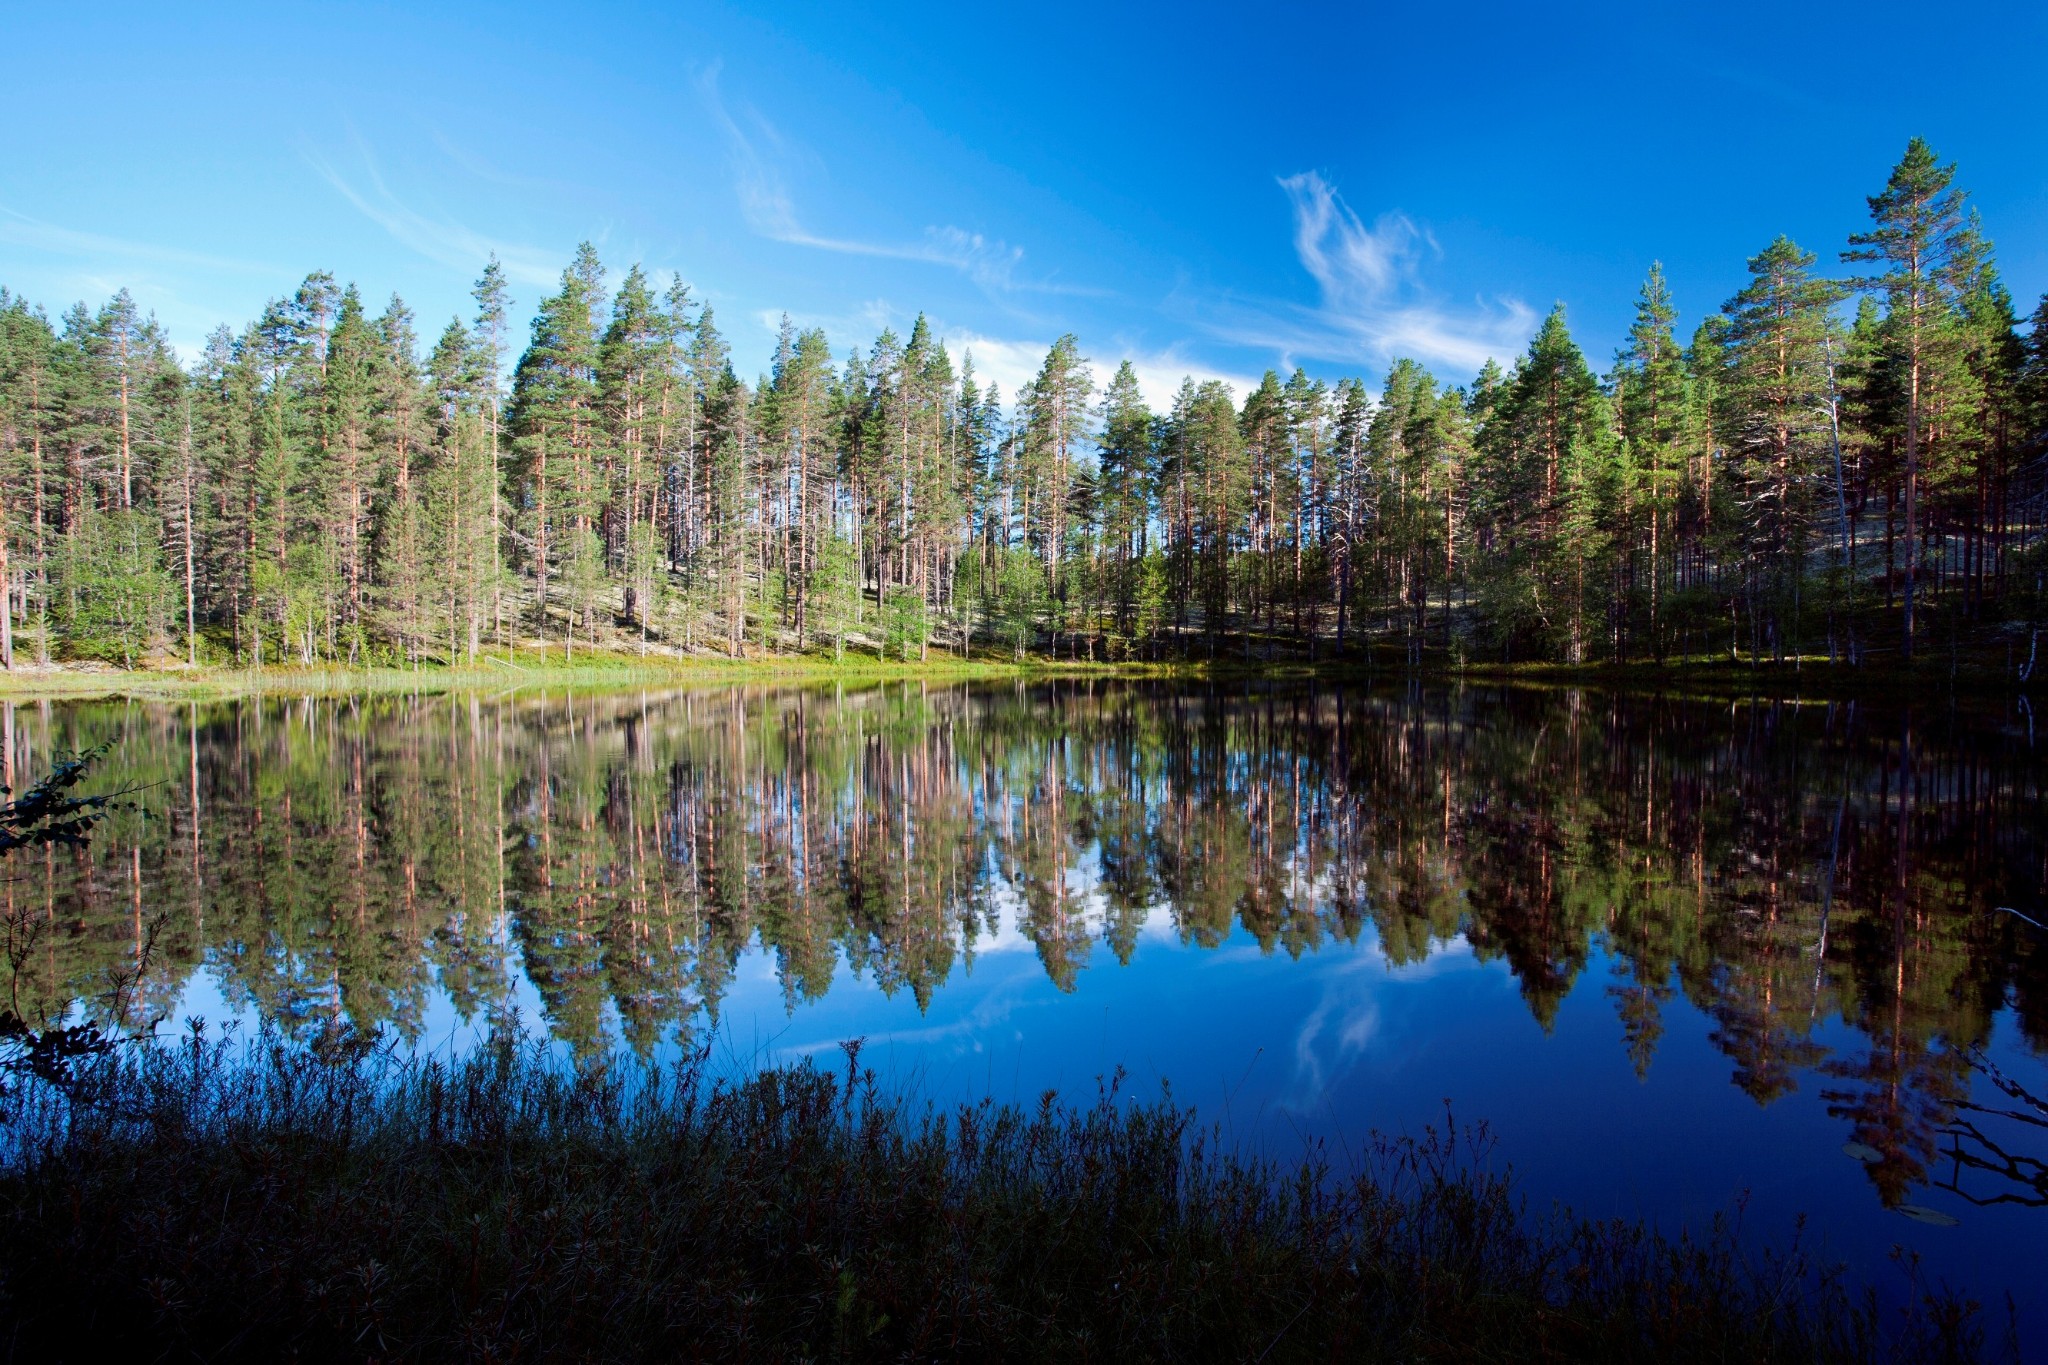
1204 190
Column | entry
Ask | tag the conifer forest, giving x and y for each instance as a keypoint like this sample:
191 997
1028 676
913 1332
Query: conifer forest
1844 463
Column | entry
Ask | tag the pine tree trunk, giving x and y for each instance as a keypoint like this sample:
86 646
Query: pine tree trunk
540 546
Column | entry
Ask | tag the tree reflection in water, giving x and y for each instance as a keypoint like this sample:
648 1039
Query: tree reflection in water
1778 865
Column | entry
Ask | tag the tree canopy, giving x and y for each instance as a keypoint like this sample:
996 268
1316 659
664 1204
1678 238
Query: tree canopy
1795 478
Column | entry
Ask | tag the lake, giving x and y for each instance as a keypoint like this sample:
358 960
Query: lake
1681 956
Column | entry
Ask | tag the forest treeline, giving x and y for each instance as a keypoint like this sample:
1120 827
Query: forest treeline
1799 475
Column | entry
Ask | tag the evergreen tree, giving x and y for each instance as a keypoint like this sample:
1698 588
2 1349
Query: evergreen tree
312 487
348 393
1055 416
28 360
800 422
1207 447
1354 493
554 416
1649 385
1127 458
1926 252
1544 459
493 302
1774 398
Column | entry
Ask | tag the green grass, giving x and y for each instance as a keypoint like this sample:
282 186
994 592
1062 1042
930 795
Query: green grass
225 1202
501 670
1981 668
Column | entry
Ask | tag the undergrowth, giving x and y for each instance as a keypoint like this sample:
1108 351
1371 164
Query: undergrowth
231 1199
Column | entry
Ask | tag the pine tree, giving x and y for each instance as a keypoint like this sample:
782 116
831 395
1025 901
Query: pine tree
631 380
1922 242
2033 377
28 346
554 416
1127 457
1994 359
348 394
493 302
712 481
307 490
1353 492
800 423
1438 446
1551 413
1206 444
1402 523
1774 398
1650 404
1309 477
116 585
1263 424
1055 429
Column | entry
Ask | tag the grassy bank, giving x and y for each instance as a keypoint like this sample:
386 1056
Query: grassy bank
1983 672
499 671
226 1203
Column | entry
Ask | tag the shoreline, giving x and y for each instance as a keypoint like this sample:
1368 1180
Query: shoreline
1701 678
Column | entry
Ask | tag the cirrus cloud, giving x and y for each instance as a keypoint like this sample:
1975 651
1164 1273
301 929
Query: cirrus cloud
1372 305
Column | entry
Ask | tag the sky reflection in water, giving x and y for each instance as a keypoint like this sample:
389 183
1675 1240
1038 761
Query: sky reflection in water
1671 952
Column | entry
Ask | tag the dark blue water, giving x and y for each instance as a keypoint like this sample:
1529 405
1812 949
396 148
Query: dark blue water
1682 959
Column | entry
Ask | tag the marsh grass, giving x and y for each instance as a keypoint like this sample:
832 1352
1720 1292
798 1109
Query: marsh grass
232 1199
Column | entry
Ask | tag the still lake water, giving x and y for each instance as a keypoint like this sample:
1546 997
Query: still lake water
1674 953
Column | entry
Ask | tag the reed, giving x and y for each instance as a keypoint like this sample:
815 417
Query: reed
247 1199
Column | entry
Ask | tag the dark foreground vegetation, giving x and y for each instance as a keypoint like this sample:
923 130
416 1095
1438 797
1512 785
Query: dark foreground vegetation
215 1200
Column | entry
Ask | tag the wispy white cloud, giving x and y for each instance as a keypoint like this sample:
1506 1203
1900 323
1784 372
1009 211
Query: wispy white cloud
1337 1030
18 229
1372 305
1007 362
66 263
1354 264
482 168
1160 374
757 151
1010 362
858 325
438 239
1350 1015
